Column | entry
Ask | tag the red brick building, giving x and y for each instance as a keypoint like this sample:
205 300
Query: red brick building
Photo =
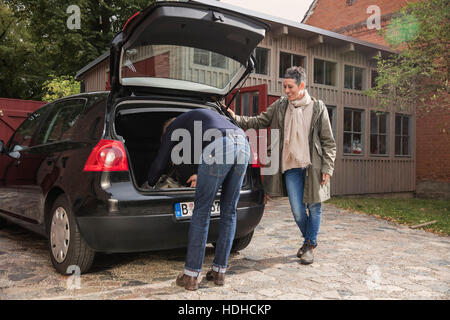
349 17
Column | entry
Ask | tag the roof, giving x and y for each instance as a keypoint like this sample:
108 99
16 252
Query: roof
310 11
92 64
295 28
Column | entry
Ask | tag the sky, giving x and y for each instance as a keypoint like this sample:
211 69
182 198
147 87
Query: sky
288 9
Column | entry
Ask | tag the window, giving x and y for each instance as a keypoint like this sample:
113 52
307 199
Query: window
201 57
23 137
288 60
402 135
208 58
373 78
324 72
379 137
58 126
247 103
354 78
353 131
262 56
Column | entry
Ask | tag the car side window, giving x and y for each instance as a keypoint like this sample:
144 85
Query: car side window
61 121
23 137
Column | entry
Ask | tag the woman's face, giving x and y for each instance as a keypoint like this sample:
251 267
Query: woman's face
292 89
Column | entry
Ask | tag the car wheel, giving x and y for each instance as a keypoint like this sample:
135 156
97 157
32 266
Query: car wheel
3 223
241 243
68 250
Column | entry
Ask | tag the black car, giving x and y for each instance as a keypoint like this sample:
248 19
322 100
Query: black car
73 170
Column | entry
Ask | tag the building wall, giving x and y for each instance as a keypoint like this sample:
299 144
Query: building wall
354 174
432 126
339 16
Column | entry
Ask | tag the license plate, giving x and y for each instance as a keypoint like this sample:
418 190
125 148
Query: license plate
184 210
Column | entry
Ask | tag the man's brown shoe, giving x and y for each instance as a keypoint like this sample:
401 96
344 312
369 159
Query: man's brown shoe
217 277
188 282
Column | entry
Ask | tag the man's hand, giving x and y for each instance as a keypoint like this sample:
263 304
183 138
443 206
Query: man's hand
325 178
193 181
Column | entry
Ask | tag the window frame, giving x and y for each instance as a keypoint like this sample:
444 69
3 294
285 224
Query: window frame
269 59
59 105
387 134
336 72
364 77
43 117
292 53
209 61
410 133
352 132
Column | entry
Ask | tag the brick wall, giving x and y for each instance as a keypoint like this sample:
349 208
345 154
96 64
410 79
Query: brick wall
433 144
334 14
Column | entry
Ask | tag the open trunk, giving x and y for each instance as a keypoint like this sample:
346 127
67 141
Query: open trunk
141 129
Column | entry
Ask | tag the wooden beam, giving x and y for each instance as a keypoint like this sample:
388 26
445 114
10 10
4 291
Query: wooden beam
375 54
315 41
347 48
281 31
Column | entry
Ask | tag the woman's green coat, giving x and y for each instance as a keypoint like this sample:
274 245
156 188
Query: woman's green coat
322 149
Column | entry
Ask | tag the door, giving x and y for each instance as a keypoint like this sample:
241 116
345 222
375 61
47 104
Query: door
251 101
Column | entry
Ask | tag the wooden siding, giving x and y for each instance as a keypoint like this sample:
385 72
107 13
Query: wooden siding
354 174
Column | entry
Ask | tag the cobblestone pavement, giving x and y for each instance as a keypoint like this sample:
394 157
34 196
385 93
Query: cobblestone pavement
358 257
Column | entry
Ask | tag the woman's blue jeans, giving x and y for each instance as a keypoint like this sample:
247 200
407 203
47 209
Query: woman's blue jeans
309 224
234 151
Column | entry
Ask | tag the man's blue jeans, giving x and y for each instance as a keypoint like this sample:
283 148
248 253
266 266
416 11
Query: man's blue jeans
309 224
234 152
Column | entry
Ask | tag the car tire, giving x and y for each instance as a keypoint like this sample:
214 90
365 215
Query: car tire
3 223
68 250
241 243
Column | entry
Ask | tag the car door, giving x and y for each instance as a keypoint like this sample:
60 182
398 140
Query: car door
40 164
11 182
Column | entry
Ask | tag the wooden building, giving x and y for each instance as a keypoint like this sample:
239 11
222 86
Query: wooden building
375 152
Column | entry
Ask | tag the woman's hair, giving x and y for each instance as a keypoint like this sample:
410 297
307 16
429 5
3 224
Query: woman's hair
296 73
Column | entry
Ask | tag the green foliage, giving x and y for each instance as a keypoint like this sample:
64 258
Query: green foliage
419 74
404 211
49 47
60 87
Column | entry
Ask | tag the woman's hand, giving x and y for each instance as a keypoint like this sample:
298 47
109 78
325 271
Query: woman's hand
325 178
231 112
193 181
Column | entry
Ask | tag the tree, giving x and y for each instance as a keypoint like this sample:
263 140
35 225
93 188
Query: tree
56 49
60 87
17 80
419 74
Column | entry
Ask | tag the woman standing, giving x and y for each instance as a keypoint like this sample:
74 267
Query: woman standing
307 153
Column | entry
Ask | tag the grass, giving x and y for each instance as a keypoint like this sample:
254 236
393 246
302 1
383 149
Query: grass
403 211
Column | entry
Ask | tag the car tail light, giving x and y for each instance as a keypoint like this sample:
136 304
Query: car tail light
255 161
108 155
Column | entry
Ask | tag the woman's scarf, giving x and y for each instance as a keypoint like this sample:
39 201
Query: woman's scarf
296 132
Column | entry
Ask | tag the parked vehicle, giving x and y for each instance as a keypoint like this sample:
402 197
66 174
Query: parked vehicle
73 169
